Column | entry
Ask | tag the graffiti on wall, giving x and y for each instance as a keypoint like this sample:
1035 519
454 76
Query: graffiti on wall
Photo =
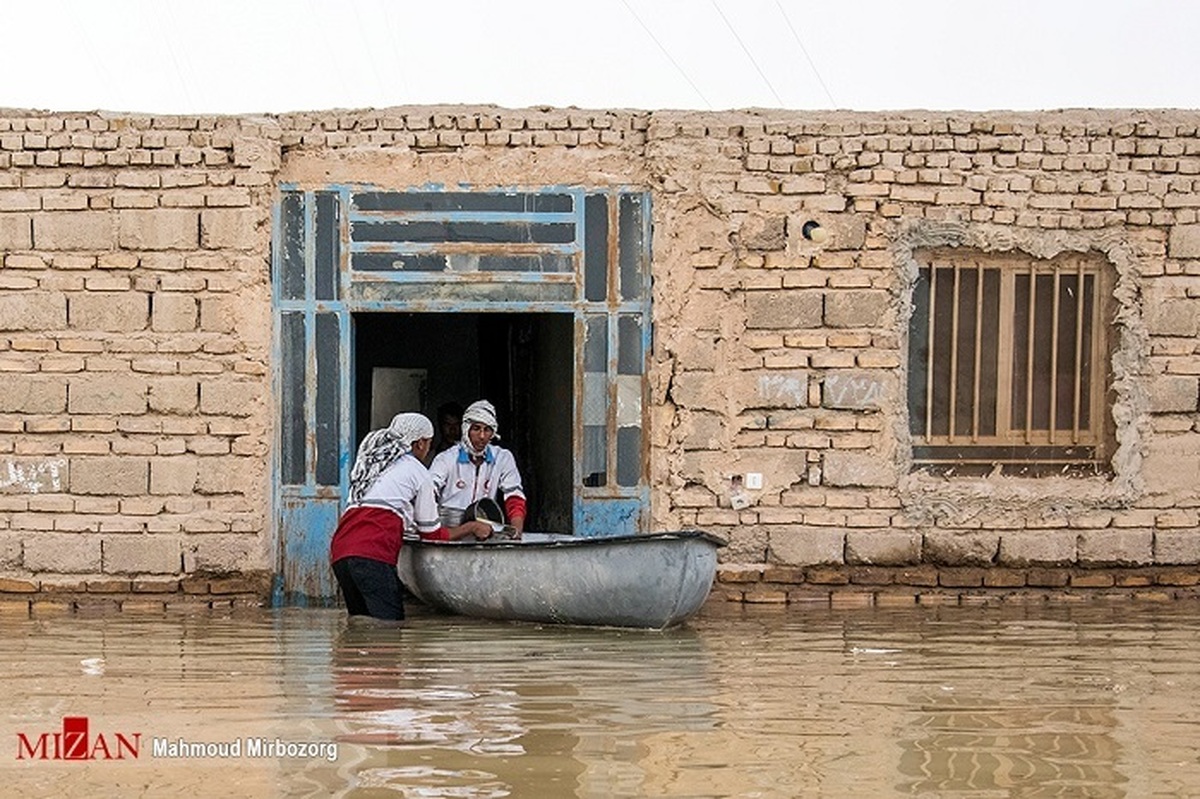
32 477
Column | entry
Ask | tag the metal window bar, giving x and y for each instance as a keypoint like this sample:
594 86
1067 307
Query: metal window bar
955 304
976 399
1048 321
1079 308
1030 328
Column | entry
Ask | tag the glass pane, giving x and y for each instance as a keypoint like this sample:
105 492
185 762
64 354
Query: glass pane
327 236
394 262
595 248
629 456
629 345
595 344
595 401
918 353
291 280
513 232
632 247
292 379
329 382
463 201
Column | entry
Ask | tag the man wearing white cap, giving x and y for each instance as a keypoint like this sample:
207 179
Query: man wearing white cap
478 469
390 492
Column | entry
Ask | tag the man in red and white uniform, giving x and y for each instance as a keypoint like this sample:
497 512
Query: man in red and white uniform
390 492
477 468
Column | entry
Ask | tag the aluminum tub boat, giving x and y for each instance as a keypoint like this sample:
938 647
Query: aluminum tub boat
652 581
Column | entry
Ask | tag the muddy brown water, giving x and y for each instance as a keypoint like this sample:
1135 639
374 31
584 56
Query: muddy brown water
1026 701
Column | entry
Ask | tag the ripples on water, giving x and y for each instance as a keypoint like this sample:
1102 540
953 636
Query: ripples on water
947 702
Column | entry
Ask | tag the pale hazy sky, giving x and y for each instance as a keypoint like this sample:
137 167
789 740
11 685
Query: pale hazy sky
245 56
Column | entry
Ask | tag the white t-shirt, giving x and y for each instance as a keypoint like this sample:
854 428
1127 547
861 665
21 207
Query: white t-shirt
458 482
406 488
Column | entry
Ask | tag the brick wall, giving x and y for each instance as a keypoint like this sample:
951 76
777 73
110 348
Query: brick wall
136 406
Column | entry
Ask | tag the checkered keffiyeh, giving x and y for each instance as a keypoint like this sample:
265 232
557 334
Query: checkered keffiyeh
381 448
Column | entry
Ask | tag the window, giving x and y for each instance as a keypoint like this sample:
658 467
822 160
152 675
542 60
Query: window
1008 360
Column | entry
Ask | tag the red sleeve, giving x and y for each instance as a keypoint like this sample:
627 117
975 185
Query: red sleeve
514 506
440 534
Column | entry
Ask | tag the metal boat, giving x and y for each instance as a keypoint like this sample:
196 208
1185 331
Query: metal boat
653 581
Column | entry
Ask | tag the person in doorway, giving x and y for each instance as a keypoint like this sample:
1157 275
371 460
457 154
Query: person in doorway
449 420
391 493
477 469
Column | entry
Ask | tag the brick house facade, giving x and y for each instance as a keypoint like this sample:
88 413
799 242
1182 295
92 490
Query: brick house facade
139 403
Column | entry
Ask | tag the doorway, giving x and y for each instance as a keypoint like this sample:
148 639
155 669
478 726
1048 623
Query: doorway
523 363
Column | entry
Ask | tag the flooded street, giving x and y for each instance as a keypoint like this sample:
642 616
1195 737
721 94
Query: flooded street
1022 701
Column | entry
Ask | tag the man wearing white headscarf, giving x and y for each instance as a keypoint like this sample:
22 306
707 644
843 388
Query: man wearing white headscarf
390 492
477 468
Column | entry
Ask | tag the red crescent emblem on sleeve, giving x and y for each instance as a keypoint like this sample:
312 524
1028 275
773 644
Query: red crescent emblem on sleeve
460 484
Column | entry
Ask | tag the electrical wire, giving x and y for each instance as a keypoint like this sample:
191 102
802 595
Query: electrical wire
674 63
749 55
807 57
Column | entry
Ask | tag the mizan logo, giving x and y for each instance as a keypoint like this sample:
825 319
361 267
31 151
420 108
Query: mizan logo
75 743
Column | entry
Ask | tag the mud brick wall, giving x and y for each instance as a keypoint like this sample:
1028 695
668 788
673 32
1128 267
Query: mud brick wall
136 405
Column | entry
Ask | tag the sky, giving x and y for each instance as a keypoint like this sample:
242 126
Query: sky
273 56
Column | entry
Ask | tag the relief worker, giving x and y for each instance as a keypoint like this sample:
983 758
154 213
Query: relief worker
476 469
391 493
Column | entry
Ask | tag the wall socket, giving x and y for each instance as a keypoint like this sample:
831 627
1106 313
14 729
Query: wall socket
754 481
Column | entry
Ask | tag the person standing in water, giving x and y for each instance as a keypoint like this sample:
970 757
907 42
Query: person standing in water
391 492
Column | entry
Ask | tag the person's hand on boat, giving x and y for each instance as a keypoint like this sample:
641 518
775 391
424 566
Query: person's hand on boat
481 530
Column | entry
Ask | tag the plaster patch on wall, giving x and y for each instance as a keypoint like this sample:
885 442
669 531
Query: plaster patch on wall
32 477
928 497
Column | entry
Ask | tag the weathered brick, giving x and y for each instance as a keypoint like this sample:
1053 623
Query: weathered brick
111 476
174 395
961 548
857 390
772 389
20 393
1037 548
30 475
174 312
176 475
1180 546
107 394
231 228
1184 241
806 546
159 229
883 547
16 232
1175 394
783 309
230 397
33 310
1126 547
846 468
74 230
856 308
62 553
118 312
141 554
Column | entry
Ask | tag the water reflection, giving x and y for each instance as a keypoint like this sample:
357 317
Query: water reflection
980 702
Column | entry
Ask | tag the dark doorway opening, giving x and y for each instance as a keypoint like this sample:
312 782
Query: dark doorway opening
524 363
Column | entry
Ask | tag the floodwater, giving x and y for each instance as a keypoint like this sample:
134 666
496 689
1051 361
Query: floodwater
1010 701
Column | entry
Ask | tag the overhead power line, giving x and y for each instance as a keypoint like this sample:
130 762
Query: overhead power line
749 55
674 63
807 57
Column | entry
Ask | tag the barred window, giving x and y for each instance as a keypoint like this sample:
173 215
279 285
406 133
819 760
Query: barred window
1008 364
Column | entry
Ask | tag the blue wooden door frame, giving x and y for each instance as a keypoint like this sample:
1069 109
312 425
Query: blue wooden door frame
342 250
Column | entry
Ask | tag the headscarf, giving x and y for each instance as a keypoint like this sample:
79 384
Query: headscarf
480 412
381 448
